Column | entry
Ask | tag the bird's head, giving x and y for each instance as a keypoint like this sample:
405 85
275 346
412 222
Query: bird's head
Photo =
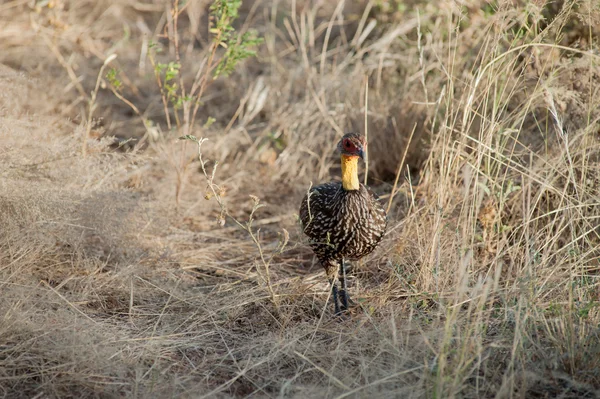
352 145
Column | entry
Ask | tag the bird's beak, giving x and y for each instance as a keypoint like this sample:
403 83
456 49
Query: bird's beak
361 154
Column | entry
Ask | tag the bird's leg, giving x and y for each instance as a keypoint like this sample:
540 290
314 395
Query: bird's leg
334 294
344 292
331 271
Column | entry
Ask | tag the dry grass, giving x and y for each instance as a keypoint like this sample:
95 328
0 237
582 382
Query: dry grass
117 279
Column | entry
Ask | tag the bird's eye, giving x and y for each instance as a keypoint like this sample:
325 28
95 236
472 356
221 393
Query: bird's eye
347 144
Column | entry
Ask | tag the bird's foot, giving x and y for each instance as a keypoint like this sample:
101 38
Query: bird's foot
340 311
342 316
345 300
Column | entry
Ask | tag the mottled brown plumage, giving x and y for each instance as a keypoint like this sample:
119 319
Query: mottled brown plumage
343 220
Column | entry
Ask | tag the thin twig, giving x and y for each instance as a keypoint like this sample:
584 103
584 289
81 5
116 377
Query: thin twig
400 167
366 128
68 302
247 226
322 370
92 104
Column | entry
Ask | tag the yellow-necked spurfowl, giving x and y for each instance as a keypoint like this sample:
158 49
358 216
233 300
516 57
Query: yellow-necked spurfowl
343 220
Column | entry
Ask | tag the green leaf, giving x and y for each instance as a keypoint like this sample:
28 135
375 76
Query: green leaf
209 122
189 137
112 78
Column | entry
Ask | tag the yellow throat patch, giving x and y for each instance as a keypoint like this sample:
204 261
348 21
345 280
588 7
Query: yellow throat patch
350 172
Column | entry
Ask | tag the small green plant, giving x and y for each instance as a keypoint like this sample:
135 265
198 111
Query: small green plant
115 85
169 72
238 48
181 101
113 79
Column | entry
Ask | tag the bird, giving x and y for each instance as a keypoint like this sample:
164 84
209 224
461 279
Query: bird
343 220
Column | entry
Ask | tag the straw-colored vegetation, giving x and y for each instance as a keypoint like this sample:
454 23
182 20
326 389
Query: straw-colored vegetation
129 268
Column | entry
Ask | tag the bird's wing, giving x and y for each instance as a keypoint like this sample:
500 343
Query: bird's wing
317 204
